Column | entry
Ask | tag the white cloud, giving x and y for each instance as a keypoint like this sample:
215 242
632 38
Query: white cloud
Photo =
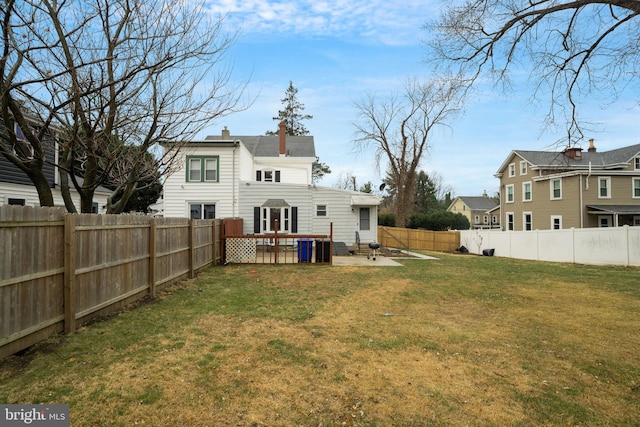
392 23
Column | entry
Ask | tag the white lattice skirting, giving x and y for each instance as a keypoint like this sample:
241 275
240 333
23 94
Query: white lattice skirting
241 250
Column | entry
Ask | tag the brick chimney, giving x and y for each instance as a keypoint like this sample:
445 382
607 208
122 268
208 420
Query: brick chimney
283 137
573 152
592 147
226 134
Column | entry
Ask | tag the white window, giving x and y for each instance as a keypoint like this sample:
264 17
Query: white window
523 167
555 187
494 219
636 220
527 221
526 192
477 219
510 221
321 210
512 169
637 163
486 219
202 169
604 187
636 188
556 222
509 193
604 221
281 216
202 210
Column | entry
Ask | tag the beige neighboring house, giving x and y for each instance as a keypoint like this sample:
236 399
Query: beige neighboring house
483 212
570 189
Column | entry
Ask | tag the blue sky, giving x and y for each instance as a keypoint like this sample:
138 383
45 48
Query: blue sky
337 52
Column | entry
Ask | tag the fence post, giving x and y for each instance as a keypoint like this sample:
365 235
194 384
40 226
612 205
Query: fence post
152 258
191 249
69 273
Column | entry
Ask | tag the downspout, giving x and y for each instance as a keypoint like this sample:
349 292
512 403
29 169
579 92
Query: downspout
234 200
581 205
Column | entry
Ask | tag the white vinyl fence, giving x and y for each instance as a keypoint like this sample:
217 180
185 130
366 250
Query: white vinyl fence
599 246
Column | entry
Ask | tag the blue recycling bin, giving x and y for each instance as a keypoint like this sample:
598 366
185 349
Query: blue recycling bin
305 249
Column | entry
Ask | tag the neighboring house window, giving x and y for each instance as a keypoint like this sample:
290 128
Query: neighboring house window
604 187
510 224
202 169
556 222
637 163
604 221
25 151
94 207
477 219
268 176
523 167
486 219
527 221
16 201
510 193
556 188
526 191
512 169
636 188
636 220
494 219
202 210
321 210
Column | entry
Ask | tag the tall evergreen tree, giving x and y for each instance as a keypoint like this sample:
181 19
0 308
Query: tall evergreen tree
292 115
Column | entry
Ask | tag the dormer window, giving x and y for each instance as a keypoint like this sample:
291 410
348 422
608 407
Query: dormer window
268 175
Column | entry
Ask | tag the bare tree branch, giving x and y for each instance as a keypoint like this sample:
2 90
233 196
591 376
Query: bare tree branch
572 49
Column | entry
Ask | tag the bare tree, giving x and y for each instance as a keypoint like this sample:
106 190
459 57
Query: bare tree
112 79
572 48
399 128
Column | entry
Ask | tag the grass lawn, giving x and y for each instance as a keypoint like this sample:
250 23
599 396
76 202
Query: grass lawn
464 340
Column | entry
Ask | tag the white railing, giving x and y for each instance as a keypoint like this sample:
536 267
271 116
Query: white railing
599 246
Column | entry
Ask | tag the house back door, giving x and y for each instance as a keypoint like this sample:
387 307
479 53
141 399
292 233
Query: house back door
365 219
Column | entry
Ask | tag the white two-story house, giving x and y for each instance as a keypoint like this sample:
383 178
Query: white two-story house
262 179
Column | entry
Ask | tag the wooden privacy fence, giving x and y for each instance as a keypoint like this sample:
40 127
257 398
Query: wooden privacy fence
407 238
58 270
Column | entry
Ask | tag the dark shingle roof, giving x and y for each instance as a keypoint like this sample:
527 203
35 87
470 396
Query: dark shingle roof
478 203
269 145
605 159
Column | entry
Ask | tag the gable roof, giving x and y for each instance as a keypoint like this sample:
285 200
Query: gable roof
269 145
612 159
479 203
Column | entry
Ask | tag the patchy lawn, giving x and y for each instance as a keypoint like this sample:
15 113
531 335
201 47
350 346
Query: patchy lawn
464 340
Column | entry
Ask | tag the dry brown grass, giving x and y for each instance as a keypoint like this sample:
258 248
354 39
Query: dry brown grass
502 343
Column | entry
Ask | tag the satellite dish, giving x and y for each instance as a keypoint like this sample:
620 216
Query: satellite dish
382 186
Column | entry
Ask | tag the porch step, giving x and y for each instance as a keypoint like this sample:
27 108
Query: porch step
340 248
